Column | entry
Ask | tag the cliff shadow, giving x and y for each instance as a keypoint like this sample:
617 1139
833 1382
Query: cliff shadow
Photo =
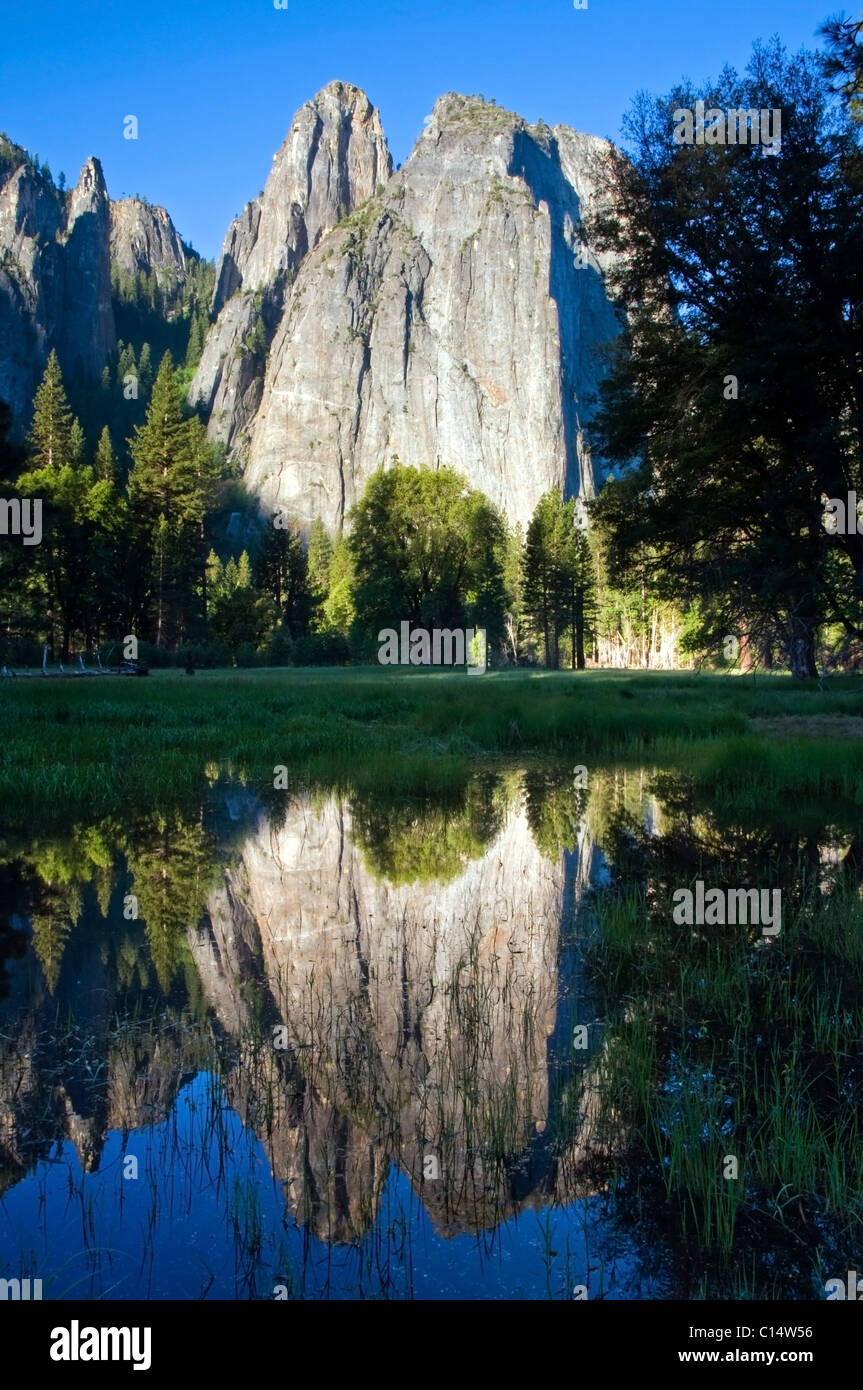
586 315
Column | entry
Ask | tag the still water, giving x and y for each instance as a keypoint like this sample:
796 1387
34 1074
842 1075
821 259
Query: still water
302 1045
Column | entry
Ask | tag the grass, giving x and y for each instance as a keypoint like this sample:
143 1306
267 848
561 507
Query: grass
88 746
720 1045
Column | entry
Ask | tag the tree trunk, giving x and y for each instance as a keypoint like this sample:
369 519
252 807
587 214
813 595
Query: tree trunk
579 631
801 648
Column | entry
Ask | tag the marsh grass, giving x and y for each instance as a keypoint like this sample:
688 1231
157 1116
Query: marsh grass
99 746
723 1044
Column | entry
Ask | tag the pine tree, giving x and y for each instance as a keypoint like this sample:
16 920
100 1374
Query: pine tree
106 459
578 601
197 334
542 573
125 364
160 454
244 572
320 558
145 371
52 923
725 498
51 435
76 444
171 486
281 571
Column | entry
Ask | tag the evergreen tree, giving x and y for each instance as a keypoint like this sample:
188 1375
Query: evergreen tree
239 615
145 371
578 585
197 335
70 573
52 922
844 60
339 612
170 489
51 431
543 583
320 557
281 571
106 459
76 444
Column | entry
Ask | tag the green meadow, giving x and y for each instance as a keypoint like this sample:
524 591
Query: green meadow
73 745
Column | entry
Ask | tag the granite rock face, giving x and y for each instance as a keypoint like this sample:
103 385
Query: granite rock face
143 238
456 318
55 281
57 252
391 996
334 157
88 318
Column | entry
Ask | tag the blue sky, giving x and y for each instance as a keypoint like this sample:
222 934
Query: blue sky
214 83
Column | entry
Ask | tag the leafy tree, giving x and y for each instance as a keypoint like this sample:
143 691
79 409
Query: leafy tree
171 864
513 577
425 841
556 808
428 550
735 403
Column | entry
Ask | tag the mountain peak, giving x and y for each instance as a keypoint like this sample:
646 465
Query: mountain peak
91 180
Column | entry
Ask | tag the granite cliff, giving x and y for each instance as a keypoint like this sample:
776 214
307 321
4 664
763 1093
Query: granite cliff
454 315
57 252
333 158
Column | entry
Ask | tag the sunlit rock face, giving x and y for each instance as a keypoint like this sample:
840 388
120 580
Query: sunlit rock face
143 238
333 158
451 321
416 1017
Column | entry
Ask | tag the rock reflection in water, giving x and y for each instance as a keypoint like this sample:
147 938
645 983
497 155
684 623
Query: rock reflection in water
355 1019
